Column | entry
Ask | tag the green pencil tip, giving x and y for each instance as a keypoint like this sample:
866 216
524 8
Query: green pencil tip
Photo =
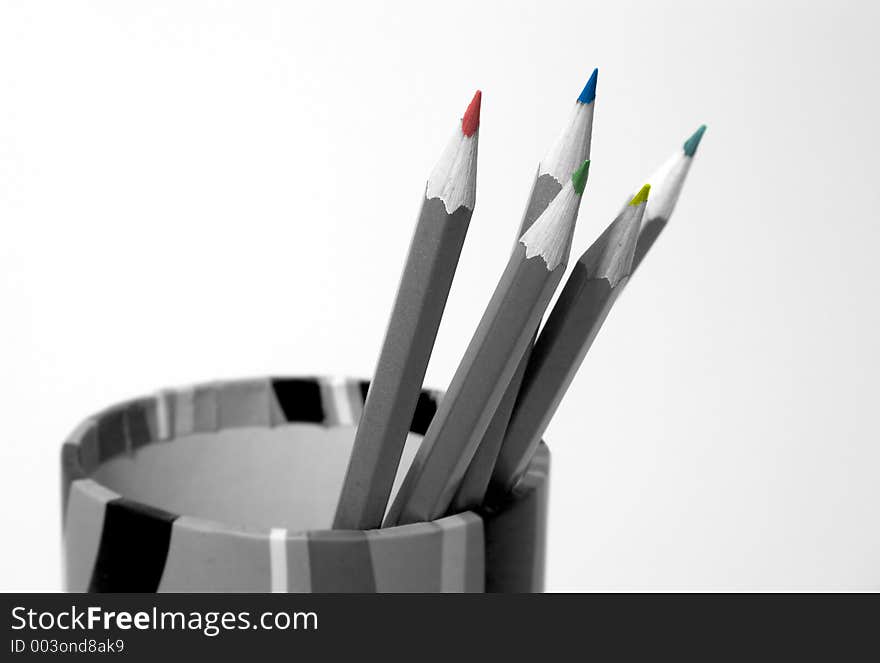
691 144
641 196
579 177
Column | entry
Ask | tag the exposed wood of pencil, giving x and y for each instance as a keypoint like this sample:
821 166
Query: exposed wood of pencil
421 298
596 280
666 185
571 147
521 296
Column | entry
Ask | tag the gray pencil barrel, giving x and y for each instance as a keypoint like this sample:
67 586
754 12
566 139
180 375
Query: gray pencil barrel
476 479
393 394
490 360
475 483
565 339
651 230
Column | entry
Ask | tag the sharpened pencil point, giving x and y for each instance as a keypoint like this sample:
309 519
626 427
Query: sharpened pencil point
641 196
610 256
691 144
588 94
579 177
471 120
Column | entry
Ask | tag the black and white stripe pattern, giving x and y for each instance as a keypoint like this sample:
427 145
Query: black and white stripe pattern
115 544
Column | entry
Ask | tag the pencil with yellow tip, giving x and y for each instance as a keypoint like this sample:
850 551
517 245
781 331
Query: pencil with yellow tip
596 280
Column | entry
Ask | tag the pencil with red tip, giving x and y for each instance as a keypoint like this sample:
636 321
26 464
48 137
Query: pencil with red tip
409 340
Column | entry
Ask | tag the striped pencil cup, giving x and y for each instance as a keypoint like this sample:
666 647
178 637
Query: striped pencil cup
231 487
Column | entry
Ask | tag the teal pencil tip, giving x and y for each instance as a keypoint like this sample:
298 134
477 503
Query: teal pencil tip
579 177
691 144
588 94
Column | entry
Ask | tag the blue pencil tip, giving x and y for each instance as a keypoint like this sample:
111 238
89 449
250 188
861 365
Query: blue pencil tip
691 144
589 91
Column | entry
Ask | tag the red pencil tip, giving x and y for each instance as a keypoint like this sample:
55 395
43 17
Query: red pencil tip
471 120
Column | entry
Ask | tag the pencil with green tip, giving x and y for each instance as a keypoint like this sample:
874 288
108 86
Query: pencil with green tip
570 149
596 280
534 270
667 183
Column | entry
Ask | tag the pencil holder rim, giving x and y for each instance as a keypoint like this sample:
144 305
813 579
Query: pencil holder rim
122 428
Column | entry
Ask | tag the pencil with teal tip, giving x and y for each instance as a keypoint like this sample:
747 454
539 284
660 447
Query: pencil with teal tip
667 183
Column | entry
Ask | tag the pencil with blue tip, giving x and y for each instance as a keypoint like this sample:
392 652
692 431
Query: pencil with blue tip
569 150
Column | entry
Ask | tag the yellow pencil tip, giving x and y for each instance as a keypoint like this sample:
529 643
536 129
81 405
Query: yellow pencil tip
641 196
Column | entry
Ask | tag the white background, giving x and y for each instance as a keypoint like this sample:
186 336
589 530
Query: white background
196 190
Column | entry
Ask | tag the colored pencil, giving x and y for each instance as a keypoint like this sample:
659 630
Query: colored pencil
596 280
534 270
667 183
569 150
409 340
